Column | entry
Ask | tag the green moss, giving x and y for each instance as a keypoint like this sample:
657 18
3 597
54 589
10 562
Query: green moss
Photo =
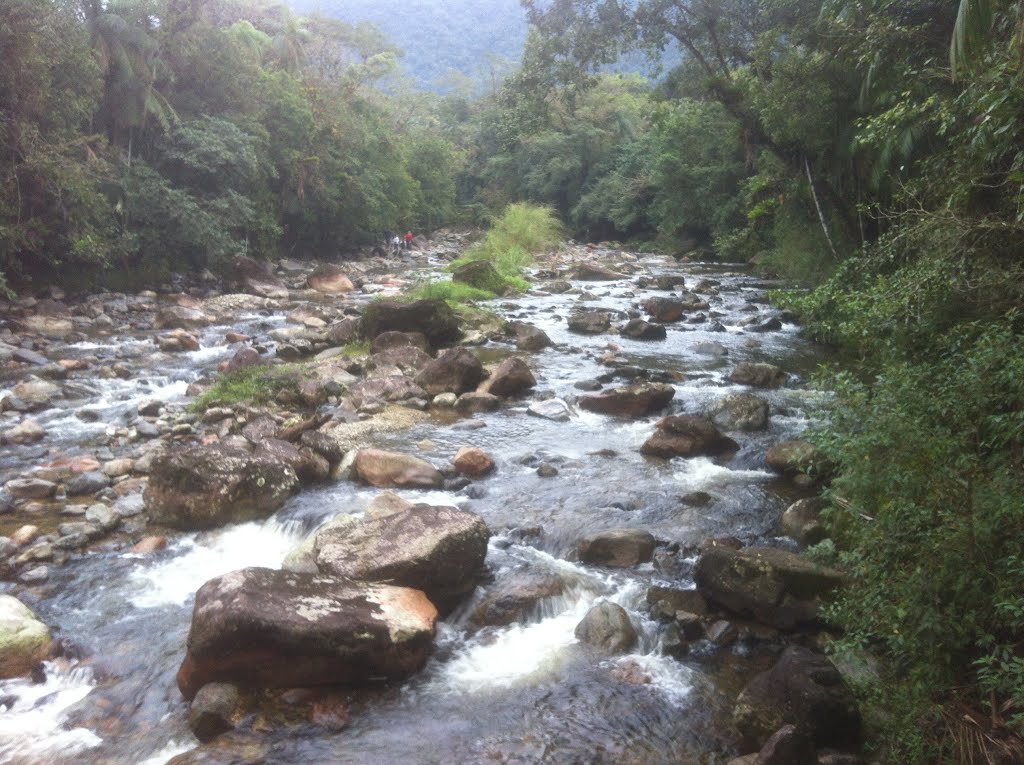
253 385
356 349
453 293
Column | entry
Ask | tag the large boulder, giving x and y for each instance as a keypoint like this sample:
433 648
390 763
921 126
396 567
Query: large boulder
687 436
618 548
330 279
439 550
629 401
24 640
607 628
392 470
262 628
457 370
758 375
803 689
589 322
201 487
180 317
772 586
740 411
510 378
480 274
434 318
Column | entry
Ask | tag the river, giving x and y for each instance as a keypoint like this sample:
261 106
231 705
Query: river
526 693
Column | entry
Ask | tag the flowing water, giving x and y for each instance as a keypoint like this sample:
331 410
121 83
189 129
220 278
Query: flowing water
526 693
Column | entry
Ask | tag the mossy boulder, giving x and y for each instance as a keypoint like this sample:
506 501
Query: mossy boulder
24 640
434 318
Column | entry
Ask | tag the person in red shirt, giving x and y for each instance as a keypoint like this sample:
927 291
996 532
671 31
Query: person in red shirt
408 240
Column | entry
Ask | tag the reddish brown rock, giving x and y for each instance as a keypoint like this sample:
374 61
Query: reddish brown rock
392 470
330 279
510 378
473 462
687 436
262 628
629 401
454 371
148 545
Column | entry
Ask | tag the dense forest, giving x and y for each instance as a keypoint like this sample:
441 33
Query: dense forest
869 152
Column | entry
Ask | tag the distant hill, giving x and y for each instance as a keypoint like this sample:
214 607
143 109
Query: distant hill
438 36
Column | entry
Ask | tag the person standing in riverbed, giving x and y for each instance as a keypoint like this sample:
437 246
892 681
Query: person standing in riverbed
408 240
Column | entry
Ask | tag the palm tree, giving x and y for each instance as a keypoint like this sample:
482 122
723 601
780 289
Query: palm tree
973 30
130 60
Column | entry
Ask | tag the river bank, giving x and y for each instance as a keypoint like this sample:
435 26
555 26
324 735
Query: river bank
108 399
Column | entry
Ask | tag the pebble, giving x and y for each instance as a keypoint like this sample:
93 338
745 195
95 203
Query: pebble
25 535
35 575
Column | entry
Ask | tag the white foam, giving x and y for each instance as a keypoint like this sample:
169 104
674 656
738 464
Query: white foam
168 753
199 558
32 728
702 473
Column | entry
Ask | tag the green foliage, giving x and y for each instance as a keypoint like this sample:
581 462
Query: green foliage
450 292
256 385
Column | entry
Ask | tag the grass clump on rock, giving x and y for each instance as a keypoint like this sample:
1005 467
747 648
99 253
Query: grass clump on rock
255 385
452 293
523 231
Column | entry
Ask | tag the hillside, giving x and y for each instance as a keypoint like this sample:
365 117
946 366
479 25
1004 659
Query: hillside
439 37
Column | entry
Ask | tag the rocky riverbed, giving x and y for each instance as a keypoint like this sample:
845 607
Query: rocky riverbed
553 528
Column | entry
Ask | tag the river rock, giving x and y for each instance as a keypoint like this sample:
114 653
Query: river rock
25 535
476 402
259 628
771 586
26 356
36 393
638 329
513 599
148 545
551 409
607 628
406 359
439 550
343 332
25 432
434 318
55 327
740 411
528 337
180 317
104 517
24 640
456 371
201 487
803 689
243 359
666 602
30 488
329 279
392 470
687 436
177 341
387 341
323 444
794 457
589 322
758 375
87 483
630 401
210 712
593 272
617 548
473 462
802 521
664 310
511 377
